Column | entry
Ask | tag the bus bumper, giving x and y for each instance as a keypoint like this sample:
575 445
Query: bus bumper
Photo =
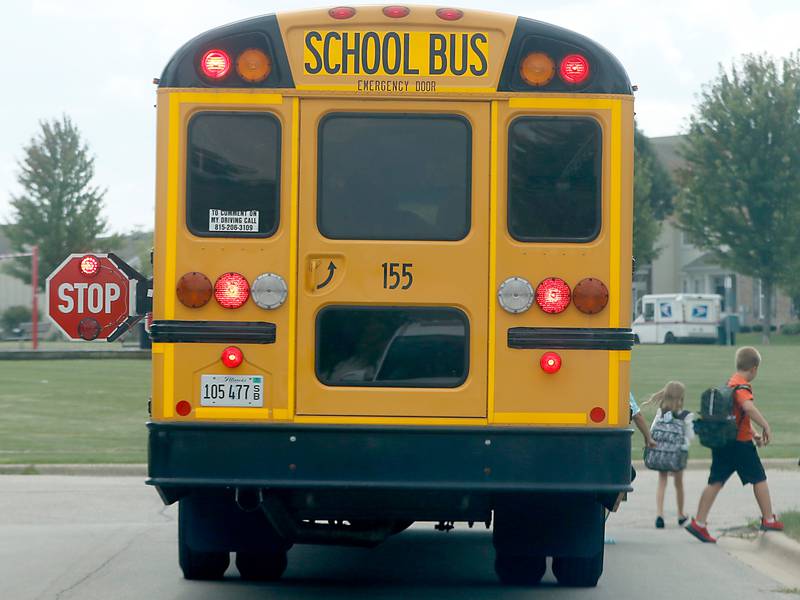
187 456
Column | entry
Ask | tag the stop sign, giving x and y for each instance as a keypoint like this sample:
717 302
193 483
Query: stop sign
89 297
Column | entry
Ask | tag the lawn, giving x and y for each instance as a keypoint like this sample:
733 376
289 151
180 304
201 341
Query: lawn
791 519
700 367
93 411
73 411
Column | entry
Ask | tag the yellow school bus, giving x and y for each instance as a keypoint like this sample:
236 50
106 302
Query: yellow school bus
392 272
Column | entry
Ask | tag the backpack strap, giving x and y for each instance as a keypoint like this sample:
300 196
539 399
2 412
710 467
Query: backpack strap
683 414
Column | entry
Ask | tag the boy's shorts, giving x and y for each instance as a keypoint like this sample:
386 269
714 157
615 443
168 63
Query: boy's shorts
741 457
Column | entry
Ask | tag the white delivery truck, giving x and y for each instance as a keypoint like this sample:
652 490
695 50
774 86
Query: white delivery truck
670 318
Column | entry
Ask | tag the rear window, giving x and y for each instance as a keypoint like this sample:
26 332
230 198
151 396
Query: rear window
392 346
554 179
233 174
394 177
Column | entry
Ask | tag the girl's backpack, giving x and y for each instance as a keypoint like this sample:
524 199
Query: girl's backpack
716 426
668 434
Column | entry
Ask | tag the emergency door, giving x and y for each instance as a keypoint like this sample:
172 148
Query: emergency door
393 258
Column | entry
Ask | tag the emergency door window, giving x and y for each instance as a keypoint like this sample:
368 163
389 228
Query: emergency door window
233 171
394 177
554 179
392 346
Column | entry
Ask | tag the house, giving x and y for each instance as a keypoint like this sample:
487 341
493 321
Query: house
682 267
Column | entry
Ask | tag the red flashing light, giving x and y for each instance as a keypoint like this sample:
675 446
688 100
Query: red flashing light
90 265
231 290
550 362
396 12
553 295
574 69
449 14
216 64
342 12
597 414
232 357
183 408
88 328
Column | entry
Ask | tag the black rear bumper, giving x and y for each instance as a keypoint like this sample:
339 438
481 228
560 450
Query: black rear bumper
353 457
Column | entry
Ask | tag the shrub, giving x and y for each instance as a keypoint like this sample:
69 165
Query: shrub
13 316
791 329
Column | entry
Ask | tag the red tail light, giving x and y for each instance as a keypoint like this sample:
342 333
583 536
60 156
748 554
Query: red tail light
183 408
449 14
574 68
232 357
553 295
90 265
231 290
216 64
396 12
550 362
597 414
342 12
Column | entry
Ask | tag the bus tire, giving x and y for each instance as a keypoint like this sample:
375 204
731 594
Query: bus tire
578 571
669 338
261 566
203 565
519 570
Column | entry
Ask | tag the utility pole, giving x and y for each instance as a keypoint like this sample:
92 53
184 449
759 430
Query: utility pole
35 300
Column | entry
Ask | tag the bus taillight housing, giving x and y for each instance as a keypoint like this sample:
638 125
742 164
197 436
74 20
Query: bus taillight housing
231 290
216 64
553 295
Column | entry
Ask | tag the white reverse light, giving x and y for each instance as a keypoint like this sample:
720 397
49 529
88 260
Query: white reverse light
515 295
269 290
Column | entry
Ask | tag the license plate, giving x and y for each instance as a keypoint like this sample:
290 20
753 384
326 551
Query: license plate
231 390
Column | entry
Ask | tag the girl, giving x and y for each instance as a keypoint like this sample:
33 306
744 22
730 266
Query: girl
670 406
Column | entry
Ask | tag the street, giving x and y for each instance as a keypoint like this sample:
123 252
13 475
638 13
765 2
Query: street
111 538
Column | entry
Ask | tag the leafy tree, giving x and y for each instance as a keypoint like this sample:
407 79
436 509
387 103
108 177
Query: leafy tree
13 316
653 192
59 208
741 185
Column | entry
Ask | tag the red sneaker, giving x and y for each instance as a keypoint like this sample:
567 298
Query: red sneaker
701 533
771 525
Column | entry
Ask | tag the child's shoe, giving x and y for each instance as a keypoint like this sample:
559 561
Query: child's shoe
682 520
659 523
772 524
701 533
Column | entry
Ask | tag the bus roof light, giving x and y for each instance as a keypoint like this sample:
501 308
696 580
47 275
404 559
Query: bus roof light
449 14
232 357
537 69
253 65
550 362
231 290
194 289
553 295
216 64
342 12
396 12
590 295
574 69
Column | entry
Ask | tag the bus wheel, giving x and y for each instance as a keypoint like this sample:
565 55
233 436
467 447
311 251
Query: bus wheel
577 571
196 564
261 566
669 338
519 570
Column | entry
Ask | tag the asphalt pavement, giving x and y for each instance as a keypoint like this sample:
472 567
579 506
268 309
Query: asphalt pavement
75 537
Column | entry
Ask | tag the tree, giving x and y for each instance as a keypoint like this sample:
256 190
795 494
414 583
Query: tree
653 192
59 208
741 185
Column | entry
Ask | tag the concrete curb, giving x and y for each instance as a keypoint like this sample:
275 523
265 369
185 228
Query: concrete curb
92 470
72 354
702 464
773 553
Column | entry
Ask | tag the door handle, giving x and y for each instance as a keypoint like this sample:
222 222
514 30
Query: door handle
311 272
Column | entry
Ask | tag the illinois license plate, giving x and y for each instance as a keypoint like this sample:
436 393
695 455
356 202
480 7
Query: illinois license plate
231 390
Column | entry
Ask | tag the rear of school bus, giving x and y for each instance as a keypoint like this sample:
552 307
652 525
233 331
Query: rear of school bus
392 274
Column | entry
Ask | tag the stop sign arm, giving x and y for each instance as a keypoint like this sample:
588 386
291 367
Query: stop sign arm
141 289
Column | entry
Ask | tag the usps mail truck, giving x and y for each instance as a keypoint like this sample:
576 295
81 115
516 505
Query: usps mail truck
671 318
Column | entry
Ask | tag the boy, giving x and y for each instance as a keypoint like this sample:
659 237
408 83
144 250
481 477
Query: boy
741 455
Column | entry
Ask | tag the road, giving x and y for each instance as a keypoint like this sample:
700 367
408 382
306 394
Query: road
110 538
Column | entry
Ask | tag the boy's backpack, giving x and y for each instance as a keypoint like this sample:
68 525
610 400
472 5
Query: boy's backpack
716 426
668 434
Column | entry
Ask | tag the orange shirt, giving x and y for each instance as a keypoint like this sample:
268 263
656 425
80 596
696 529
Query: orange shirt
745 433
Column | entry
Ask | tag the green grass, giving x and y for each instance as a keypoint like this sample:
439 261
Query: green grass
776 339
699 367
93 411
73 411
791 519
